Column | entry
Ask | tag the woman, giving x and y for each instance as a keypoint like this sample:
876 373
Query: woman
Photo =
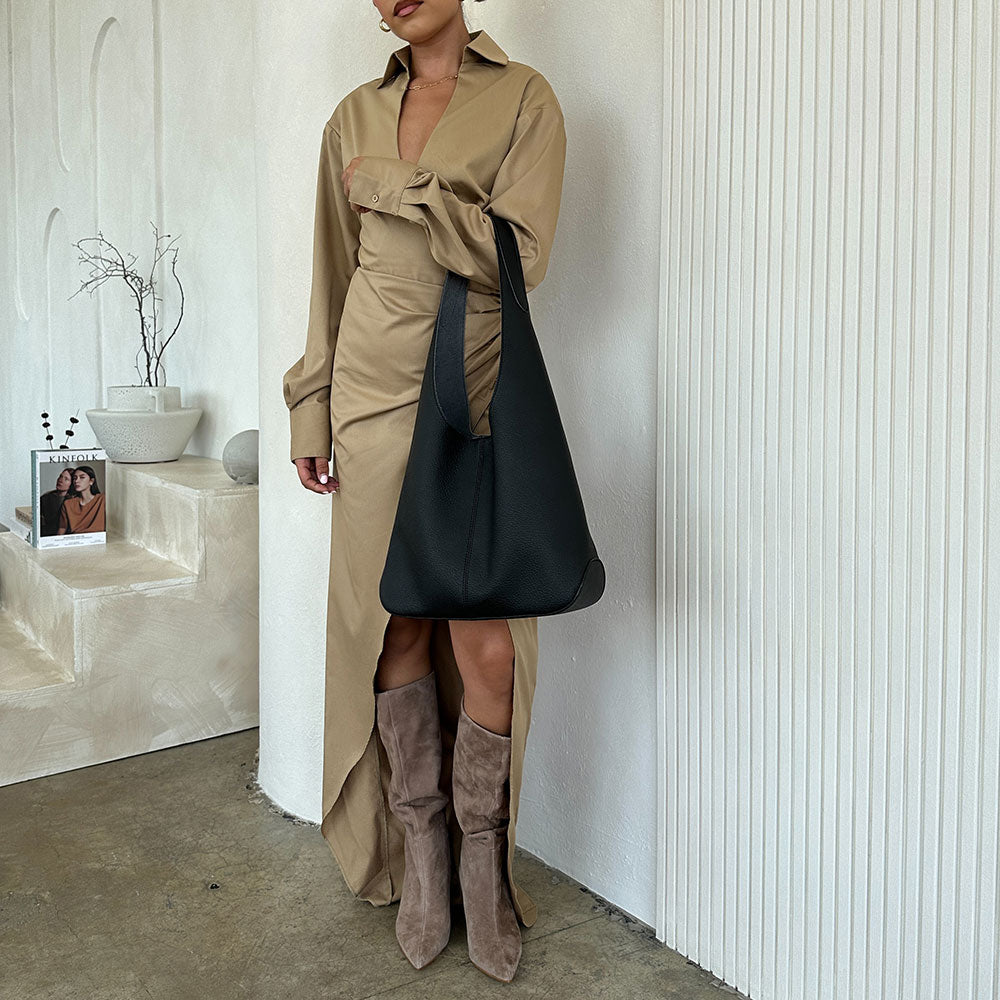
83 510
51 501
412 165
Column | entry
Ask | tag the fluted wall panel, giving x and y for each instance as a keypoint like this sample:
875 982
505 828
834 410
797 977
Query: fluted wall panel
830 497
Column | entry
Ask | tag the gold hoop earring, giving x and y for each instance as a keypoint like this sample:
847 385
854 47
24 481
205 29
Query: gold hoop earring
383 25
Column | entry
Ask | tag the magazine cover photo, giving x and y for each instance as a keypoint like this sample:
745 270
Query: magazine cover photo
68 498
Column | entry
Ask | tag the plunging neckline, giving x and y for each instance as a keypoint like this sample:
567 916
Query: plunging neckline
437 124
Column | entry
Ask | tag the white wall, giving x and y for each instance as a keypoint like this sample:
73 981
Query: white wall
115 115
831 496
587 802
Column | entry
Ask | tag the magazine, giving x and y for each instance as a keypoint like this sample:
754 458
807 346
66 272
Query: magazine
68 497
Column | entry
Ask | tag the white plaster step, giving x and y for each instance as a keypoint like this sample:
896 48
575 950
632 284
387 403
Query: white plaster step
24 666
160 624
115 566
163 506
42 589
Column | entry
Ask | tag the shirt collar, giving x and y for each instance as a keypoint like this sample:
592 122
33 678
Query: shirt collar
480 43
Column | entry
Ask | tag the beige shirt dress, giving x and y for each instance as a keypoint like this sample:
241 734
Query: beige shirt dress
352 397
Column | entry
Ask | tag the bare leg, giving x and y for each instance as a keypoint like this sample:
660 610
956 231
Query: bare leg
405 655
484 652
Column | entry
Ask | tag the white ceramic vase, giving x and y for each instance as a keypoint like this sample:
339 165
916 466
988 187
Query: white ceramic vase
144 423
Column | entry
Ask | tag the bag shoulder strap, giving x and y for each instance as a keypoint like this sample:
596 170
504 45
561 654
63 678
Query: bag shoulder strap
509 256
448 351
447 358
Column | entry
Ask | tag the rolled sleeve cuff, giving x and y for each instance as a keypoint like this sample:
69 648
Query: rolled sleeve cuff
310 431
378 182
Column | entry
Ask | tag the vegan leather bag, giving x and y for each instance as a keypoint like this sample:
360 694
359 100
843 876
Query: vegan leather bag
489 525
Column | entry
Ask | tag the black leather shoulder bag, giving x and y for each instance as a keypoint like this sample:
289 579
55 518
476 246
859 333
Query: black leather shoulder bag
489 525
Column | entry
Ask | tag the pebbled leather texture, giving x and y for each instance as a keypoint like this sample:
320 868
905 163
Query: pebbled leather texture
489 525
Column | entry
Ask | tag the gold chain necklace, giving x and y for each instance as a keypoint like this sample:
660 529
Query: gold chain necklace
421 86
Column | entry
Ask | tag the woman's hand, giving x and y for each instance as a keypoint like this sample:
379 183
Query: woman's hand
346 177
314 474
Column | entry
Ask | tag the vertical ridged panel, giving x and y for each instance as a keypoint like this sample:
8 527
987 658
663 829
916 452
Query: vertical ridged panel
829 547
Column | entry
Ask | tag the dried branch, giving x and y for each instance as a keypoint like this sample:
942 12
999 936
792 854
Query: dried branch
108 262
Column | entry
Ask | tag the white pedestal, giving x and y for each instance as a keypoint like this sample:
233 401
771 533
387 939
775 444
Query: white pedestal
148 641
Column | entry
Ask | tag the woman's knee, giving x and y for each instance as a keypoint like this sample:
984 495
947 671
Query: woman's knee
405 637
484 652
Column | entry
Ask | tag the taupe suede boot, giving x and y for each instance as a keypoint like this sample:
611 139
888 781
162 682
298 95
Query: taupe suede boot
481 799
411 733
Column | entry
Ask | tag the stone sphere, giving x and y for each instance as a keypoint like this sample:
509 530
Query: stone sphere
239 457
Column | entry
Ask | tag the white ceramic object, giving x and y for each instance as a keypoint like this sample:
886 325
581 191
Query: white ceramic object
144 423
240 457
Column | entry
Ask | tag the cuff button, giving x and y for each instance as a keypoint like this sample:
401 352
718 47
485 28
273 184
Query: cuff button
374 197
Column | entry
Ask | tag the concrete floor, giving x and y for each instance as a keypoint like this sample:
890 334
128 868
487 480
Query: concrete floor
170 875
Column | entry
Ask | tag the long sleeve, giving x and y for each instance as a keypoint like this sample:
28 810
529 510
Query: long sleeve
336 240
526 192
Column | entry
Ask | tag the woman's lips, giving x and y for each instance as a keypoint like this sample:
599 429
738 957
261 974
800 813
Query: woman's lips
407 7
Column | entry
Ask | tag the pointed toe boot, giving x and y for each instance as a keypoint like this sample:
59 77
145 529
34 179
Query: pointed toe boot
410 729
481 799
